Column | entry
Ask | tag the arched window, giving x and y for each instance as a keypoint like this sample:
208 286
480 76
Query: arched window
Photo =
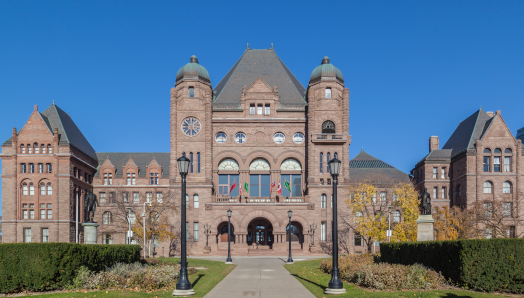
335 155
507 151
506 187
196 201
328 158
24 189
497 150
228 165
321 160
42 189
187 200
191 162
396 216
259 164
37 149
290 165
221 138
107 218
31 189
43 148
29 149
198 162
49 149
487 151
323 201
49 189
328 127
22 148
191 92
488 187
328 92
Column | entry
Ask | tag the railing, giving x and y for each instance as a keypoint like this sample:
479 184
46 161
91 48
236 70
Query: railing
294 200
226 200
249 200
329 136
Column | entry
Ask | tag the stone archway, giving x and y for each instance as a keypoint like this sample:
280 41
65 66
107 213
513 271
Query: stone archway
257 214
260 233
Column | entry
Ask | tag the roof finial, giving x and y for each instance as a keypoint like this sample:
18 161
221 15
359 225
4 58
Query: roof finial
325 60
247 46
362 150
193 59
53 101
272 46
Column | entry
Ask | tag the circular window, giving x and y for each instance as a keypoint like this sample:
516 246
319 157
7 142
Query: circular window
221 137
240 138
298 138
191 126
279 138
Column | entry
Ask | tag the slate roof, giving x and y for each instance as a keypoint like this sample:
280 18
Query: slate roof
141 159
68 132
366 168
252 65
468 132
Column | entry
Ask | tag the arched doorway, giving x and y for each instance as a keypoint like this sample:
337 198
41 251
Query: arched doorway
222 233
297 232
260 231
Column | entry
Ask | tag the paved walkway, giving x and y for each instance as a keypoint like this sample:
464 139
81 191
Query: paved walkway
263 277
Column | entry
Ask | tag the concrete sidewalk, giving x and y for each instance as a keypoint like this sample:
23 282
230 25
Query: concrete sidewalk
262 277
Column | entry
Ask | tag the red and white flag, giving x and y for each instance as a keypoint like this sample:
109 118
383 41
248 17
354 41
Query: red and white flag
279 189
233 186
272 185
240 189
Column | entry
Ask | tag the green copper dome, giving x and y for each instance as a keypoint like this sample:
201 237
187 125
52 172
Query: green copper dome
193 71
326 70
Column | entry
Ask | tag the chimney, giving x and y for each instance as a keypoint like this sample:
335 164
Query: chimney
433 143
491 114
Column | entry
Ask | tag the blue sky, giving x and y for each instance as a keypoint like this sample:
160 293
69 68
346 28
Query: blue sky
413 68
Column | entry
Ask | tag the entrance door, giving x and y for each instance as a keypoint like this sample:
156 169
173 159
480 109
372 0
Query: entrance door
223 234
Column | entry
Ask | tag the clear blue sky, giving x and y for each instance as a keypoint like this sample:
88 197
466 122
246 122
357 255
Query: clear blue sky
413 68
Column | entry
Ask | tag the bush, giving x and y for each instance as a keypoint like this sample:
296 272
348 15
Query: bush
50 266
480 264
349 264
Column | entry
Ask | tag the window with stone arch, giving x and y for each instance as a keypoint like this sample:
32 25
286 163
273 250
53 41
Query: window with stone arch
154 174
396 216
37 148
323 201
506 187
107 218
328 127
227 181
228 164
290 164
259 164
49 149
108 177
22 149
488 187
43 148
131 177
328 92
29 149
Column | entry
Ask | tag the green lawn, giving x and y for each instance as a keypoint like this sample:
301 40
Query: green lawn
203 281
309 274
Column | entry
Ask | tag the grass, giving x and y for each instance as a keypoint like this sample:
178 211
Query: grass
309 274
203 281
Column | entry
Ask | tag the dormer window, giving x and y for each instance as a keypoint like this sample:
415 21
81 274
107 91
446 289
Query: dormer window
191 92
259 109
268 109
252 109
22 149
37 149
328 92
153 178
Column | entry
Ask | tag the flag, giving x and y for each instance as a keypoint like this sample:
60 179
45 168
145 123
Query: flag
272 185
286 185
279 190
233 186
246 187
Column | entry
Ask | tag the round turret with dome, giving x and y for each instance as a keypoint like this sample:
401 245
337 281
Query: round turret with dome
326 71
193 71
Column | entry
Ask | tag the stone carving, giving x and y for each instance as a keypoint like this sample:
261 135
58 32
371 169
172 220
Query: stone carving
260 137
425 203
90 204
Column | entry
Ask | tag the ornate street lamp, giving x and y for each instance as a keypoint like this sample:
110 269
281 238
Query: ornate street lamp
335 286
289 259
183 286
229 261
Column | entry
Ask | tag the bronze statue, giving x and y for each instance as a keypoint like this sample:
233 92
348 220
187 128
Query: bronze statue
90 204
425 203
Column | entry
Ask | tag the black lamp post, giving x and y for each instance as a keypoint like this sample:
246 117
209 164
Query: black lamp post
335 285
183 286
289 214
229 261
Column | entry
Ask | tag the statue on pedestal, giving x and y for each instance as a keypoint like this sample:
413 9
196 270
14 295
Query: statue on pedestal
425 203
90 204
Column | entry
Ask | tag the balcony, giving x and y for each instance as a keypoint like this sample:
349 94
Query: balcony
259 200
330 138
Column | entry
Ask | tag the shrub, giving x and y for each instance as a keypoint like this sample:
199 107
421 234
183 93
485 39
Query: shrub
480 264
49 266
349 264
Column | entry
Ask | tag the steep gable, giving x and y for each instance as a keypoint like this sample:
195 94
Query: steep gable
468 132
498 130
259 86
35 127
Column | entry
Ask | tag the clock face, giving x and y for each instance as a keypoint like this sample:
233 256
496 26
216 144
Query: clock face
191 126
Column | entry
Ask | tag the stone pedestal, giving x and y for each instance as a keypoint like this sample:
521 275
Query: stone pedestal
313 248
183 293
425 228
207 249
90 232
334 291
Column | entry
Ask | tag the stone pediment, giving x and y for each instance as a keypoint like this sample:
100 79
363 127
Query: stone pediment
259 86
107 163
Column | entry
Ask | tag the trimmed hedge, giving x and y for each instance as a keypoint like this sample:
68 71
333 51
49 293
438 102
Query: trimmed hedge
481 264
50 266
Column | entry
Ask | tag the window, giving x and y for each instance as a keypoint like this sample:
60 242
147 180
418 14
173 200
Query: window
511 232
105 178
221 138
323 231
22 148
435 192
298 138
32 214
489 233
191 92
31 168
396 216
153 178
506 187
488 207
196 201
252 109
240 138
357 239
107 239
149 197
198 162
260 186
29 149
228 165
102 197
328 158
42 213
191 126
259 109
37 149
329 181
279 138
191 162
268 110
49 212
395 197
382 197
328 127
225 185
45 235
195 231
507 209
23 168
41 168
487 151
49 149
31 189
24 214
159 197
497 150
27 235
358 216
443 193
323 201
42 189
49 168
259 164
488 187
486 163
136 197
321 159
443 173
107 218
43 148
187 201
507 164
459 190
132 218
434 173
328 92
295 184
374 198
496 163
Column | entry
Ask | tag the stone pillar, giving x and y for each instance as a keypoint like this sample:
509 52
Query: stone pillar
90 232
425 228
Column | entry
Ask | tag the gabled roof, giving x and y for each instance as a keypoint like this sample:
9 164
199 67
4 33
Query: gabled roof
364 160
252 65
141 159
68 132
468 132
367 168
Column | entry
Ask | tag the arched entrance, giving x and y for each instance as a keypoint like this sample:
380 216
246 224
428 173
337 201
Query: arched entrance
260 231
297 232
222 233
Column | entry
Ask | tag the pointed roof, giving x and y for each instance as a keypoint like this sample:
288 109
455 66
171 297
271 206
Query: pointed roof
367 168
254 64
468 132
364 160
